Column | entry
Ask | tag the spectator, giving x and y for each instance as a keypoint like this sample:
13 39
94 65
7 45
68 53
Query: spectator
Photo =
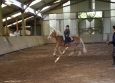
17 33
11 34
113 42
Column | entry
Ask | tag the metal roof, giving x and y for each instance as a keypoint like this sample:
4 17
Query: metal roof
11 9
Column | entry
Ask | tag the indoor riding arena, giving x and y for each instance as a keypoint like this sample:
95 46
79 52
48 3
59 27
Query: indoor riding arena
31 53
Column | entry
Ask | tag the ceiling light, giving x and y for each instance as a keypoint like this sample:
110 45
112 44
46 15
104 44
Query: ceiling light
34 2
57 1
19 4
5 19
67 3
9 25
15 15
45 8
3 5
8 2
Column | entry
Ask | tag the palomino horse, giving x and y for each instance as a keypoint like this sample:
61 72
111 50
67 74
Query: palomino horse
77 43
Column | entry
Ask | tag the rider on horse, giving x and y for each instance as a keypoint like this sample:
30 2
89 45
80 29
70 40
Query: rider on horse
66 34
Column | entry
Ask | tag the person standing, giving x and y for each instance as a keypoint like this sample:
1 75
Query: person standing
66 34
11 34
17 33
113 42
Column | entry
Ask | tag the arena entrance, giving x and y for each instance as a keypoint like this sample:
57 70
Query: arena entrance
90 27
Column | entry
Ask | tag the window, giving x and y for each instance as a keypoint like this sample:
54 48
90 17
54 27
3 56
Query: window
97 14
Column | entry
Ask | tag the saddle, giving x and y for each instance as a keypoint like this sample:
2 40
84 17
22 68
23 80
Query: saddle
69 39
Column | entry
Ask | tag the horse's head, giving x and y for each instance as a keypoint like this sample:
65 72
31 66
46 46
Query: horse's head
52 34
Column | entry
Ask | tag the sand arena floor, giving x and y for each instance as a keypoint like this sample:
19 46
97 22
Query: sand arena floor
36 65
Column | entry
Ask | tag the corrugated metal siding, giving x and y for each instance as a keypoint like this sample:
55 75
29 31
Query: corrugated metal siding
57 11
107 13
113 13
82 6
112 23
99 5
46 28
112 5
52 16
73 27
73 15
66 15
60 16
106 22
46 17
54 24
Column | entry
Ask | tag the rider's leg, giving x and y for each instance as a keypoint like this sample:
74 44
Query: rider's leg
65 41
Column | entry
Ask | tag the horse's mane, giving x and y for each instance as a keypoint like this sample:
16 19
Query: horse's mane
58 33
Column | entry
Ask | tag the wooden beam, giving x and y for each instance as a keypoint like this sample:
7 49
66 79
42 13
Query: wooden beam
105 1
15 11
46 5
64 1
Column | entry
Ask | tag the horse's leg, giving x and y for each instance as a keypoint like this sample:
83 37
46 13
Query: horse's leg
55 50
59 49
81 46
65 50
79 52
57 59
72 52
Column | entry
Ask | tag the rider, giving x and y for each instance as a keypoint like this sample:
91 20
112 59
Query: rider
66 34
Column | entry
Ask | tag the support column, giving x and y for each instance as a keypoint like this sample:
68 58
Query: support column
16 24
1 23
41 23
34 25
6 28
23 25
90 5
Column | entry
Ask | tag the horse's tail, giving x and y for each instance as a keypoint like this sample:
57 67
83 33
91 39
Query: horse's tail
84 49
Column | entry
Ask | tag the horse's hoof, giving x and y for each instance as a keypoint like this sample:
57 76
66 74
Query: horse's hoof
70 54
57 59
63 52
54 54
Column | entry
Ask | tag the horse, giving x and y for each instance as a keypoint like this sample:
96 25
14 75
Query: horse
59 37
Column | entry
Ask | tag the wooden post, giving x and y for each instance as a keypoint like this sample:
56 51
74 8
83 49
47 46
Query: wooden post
34 25
23 25
41 23
16 24
1 23
6 28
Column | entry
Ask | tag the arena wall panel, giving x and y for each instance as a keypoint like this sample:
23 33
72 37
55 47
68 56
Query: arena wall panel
92 38
40 40
29 41
22 42
52 40
3 46
13 43
35 40
110 36
10 44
